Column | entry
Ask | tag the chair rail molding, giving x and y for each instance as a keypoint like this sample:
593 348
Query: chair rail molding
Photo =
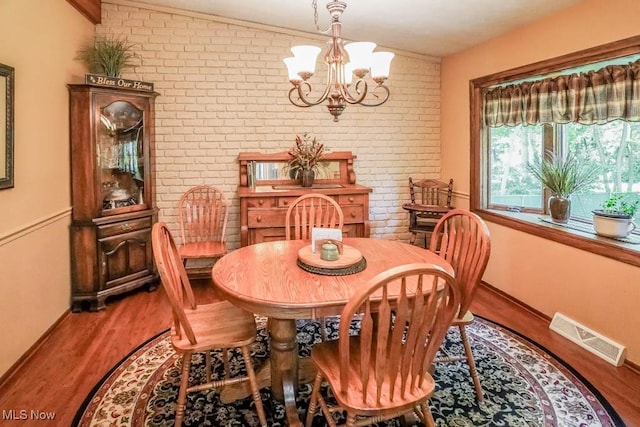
34 226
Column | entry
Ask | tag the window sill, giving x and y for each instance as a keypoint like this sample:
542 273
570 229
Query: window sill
530 223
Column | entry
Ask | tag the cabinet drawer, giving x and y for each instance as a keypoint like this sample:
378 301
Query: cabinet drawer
261 218
261 202
285 202
352 199
123 227
353 214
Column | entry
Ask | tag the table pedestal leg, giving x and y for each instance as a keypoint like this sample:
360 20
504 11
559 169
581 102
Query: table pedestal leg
284 365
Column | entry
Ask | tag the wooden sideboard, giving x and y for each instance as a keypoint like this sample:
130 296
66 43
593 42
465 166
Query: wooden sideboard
265 195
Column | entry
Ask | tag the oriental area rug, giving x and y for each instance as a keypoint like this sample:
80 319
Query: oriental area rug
524 385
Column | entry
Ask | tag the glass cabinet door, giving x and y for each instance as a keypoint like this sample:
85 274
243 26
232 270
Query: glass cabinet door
121 156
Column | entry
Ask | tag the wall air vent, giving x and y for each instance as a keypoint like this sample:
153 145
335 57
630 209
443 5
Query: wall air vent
594 342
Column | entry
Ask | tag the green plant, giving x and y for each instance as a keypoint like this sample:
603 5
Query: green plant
305 155
108 55
621 204
563 176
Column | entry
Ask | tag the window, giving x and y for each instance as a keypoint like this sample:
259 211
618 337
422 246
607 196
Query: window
588 108
613 146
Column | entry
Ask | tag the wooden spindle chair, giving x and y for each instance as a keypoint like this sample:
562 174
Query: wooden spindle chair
462 238
202 328
384 372
309 211
203 212
430 200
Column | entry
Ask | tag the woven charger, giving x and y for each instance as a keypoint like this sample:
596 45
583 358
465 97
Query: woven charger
350 261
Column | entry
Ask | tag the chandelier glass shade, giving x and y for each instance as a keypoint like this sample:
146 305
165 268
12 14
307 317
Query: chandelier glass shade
344 62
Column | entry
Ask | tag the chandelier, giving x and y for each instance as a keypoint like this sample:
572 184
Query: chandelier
344 61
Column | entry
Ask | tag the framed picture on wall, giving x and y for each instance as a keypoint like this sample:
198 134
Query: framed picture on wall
6 126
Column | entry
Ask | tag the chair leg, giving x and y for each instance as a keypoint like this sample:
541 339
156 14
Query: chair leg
184 384
427 417
225 363
207 365
313 401
326 411
323 329
351 420
472 364
412 240
253 382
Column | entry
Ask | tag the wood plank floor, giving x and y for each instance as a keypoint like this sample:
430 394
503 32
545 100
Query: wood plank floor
85 346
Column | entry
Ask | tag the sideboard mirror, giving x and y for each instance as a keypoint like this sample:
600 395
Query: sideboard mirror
260 169
277 171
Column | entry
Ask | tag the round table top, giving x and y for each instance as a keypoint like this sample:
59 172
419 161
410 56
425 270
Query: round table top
265 279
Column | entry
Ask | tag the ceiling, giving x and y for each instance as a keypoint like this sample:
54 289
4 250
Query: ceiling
431 27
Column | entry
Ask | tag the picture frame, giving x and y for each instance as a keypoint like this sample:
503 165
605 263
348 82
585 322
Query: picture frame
6 126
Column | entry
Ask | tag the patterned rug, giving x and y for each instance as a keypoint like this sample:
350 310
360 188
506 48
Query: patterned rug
524 386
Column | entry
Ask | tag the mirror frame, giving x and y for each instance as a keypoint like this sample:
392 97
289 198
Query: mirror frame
6 176
344 158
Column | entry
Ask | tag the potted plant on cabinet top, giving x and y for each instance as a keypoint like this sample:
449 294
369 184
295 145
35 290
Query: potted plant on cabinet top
563 177
109 55
615 219
305 159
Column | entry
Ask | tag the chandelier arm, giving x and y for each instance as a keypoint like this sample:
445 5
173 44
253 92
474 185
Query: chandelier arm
360 87
302 91
381 98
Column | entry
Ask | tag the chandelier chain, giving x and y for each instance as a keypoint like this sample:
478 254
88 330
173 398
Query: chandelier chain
314 3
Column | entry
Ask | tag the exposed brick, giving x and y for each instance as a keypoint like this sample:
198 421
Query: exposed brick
223 89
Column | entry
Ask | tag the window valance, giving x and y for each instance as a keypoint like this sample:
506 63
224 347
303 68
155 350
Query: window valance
593 97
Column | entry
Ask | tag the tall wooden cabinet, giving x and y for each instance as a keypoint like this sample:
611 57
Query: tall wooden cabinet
112 192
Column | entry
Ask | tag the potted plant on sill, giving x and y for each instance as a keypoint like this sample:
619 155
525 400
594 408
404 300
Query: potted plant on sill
305 160
563 177
615 219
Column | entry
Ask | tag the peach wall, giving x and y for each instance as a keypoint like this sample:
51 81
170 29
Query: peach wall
596 291
39 39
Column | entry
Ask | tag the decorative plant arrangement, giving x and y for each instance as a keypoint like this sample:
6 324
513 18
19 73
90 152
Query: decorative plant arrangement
109 55
615 219
563 177
305 160
619 205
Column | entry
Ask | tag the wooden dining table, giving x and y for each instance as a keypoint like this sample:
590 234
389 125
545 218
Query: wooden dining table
265 279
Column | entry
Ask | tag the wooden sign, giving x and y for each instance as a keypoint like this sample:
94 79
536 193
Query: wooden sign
117 82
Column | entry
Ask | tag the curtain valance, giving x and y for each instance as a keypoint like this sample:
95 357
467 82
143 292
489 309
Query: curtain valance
594 97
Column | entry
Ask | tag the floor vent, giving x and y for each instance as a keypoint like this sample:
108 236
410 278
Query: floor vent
597 344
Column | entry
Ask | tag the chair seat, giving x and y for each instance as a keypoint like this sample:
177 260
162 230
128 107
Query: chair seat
202 250
217 325
325 355
419 207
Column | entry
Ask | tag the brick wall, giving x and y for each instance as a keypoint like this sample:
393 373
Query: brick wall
223 89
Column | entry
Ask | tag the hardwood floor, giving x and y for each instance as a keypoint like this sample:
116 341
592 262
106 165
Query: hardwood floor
83 347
